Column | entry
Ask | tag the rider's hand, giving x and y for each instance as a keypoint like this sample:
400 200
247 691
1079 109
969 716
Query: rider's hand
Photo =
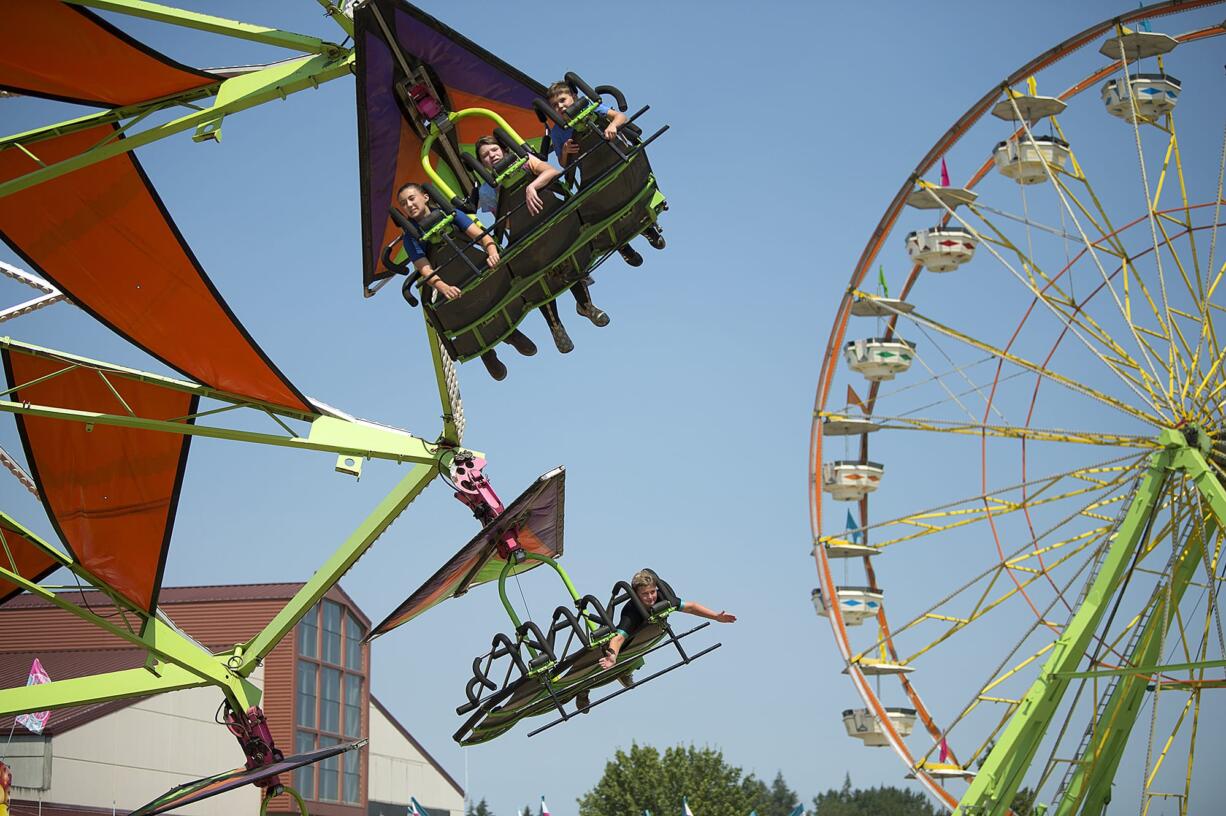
448 291
725 617
610 132
608 660
491 256
533 199
570 149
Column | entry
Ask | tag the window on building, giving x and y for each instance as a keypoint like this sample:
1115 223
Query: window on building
328 684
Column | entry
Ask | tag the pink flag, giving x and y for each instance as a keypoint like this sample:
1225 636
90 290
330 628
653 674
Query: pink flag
944 750
944 173
544 807
35 723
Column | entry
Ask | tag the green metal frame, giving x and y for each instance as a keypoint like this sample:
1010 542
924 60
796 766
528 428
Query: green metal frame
175 661
1000 777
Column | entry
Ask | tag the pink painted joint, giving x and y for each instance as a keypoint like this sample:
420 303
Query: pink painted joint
477 494
253 734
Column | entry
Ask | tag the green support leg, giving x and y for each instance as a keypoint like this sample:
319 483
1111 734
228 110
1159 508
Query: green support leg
1097 766
358 542
998 781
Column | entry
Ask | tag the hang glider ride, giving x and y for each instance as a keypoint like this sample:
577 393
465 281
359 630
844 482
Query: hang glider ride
536 669
425 95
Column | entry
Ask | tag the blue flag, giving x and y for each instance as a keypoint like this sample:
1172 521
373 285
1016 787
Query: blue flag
855 539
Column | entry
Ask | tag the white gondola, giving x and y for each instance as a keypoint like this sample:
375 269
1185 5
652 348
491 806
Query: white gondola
943 770
879 358
930 197
880 307
848 480
1138 45
941 249
863 724
842 548
857 604
871 667
1031 108
1023 161
1153 96
843 425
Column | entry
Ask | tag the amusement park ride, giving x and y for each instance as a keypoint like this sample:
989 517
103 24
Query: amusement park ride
106 446
1124 575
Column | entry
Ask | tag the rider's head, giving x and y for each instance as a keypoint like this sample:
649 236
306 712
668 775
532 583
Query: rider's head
644 585
560 96
489 152
413 200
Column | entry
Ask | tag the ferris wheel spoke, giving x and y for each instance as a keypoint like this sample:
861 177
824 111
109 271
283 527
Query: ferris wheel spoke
1119 470
929 425
1072 313
1093 252
1054 306
1151 202
1043 371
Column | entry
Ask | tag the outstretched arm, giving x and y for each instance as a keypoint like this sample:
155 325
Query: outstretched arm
701 611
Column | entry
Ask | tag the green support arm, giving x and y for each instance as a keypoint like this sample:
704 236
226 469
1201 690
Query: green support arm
97 688
998 781
235 94
358 542
214 25
1096 767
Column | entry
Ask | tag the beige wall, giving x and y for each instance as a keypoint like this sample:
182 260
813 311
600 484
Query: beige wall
398 770
133 755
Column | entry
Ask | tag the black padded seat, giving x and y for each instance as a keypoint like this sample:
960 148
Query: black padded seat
616 194
547 247
453 315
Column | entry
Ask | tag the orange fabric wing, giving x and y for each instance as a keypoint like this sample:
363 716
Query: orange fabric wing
65 52
102 235
110 492
28 561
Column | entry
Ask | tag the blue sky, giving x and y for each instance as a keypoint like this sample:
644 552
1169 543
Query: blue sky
684 425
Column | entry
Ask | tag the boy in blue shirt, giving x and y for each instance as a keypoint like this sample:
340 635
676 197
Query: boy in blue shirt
415 203
561 97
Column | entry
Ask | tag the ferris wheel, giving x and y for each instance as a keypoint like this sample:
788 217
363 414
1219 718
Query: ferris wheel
1018 454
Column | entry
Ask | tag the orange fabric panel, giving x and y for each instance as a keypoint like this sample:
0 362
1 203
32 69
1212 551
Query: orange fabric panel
474 127
111 492
66 52
102 235
31 563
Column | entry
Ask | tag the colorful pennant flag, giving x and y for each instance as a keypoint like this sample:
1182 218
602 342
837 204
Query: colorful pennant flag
885 290
944 173
685 807
799 810
415 808
35 722
944 750
854 399
1142 24
856 536
544 807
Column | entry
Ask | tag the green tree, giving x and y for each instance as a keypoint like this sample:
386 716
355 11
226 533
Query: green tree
782 800
644 779
882 801
1023 802
480 809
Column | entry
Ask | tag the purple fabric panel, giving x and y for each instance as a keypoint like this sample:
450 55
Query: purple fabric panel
383 121
458 67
